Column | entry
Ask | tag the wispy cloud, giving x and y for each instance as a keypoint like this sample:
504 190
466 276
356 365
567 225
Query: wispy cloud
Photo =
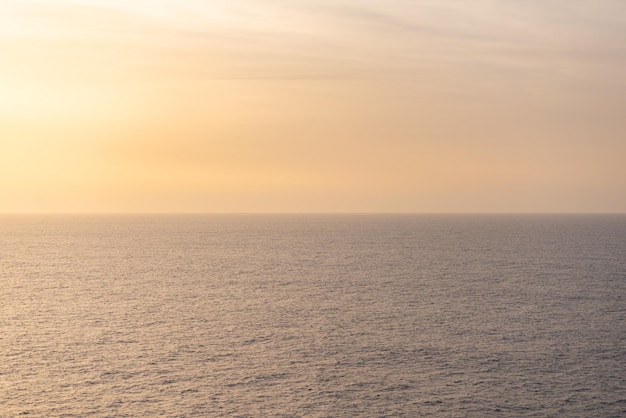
322 39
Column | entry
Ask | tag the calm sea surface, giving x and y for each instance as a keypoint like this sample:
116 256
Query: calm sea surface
322 316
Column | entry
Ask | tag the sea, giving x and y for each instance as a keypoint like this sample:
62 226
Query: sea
313 315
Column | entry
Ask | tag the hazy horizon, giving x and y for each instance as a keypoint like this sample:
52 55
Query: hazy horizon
312 106
243 213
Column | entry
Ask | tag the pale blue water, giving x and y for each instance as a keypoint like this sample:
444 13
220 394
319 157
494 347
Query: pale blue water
188 316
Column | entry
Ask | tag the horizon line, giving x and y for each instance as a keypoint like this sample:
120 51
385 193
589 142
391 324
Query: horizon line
198 213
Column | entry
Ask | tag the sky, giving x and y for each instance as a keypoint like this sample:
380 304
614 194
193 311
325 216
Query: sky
312 106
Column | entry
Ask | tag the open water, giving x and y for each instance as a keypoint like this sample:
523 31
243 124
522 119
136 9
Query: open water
313 315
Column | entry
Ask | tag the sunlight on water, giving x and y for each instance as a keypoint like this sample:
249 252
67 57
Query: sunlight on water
313 316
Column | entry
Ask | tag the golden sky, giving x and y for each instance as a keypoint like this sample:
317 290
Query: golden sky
312 106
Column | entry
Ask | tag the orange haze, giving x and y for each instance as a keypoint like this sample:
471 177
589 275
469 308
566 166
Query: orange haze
312 106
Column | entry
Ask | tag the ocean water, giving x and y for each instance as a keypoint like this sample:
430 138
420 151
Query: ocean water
313 316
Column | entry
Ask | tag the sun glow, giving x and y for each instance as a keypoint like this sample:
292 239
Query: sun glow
252 105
